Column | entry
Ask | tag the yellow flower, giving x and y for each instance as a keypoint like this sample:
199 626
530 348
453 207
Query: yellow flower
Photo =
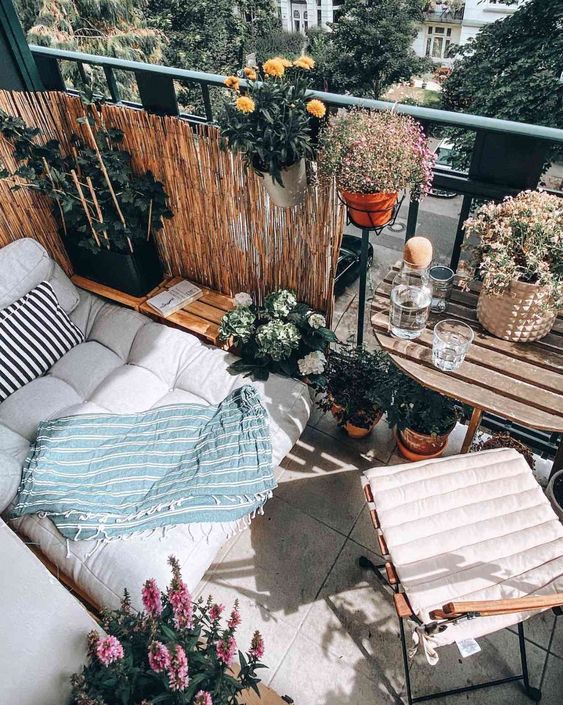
232 82
245 104
286 62
274 67
250 73
304 62
317 108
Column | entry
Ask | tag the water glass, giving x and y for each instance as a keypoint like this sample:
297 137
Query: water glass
442 279
450 344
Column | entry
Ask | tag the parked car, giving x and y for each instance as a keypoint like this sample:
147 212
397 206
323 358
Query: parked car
444 161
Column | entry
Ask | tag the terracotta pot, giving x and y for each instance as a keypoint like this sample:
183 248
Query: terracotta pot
294 187
362 431
517 314
554 495
370 209
421 446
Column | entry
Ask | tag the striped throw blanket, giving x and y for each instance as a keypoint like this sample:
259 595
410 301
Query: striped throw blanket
107 476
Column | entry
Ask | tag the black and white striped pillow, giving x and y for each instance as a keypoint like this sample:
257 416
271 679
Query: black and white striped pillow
35 332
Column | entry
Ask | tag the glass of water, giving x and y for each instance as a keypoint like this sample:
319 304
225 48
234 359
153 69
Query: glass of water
450 344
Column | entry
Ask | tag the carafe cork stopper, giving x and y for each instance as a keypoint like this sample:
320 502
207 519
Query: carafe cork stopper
418 251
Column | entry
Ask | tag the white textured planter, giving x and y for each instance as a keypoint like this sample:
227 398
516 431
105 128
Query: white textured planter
292 193
517 314
551 496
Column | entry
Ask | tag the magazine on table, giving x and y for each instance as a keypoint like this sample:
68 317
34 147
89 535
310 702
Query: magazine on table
171 300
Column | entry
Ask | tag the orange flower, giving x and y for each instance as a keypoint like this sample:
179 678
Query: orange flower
274 67
286 62
317 108
250 73
232 82
245 104
304 62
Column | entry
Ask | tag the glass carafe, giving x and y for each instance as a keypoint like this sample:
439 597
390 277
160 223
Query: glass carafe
411 297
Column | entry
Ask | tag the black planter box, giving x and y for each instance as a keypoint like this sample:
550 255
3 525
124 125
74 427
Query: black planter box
134 273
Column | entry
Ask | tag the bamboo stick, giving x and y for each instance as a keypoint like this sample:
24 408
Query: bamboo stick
84 206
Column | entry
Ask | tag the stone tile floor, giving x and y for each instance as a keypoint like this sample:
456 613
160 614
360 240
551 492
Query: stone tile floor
331 633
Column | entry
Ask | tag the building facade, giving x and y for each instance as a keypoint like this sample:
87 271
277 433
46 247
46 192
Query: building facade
448 24
300 15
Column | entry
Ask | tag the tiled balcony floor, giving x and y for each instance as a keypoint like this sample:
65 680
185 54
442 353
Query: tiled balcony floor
330 628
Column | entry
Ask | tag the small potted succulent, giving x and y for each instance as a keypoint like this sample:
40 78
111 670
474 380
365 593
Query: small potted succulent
271 124
373 155
107 213
423 419
283 335
355 388
175 651
519 258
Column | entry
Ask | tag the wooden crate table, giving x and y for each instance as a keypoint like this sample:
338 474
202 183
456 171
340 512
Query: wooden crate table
201 317
521 382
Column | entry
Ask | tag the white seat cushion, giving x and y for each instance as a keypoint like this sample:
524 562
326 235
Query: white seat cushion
44 629
469 527
130 363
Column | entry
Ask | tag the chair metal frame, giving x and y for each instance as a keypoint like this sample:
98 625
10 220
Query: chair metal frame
453 613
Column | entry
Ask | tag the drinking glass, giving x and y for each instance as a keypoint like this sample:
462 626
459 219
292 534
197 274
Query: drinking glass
450 344
442 279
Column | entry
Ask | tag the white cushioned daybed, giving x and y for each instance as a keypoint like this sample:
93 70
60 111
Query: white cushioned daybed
127 363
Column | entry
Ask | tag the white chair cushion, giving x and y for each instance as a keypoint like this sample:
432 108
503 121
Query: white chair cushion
44 629
469 527
130 363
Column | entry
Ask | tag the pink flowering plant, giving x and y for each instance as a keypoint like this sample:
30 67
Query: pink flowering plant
175 652
371 152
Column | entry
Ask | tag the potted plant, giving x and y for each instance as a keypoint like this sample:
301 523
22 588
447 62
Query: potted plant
175 651
107 213
373 155
519 258
505 440
423 419
354 388
555 493
283 335
271 125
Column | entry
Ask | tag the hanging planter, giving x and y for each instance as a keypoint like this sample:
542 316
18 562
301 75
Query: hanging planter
294 188
519 314
272 123
370 209
373 156
518 258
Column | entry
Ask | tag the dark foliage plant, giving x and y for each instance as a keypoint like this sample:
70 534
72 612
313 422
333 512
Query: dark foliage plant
355 385
98 199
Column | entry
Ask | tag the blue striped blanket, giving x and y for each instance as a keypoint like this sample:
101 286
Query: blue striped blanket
107 475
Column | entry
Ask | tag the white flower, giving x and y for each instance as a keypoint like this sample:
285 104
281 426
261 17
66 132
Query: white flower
317 320
312 364
243 299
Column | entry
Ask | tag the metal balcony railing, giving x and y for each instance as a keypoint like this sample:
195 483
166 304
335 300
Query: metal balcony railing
445 16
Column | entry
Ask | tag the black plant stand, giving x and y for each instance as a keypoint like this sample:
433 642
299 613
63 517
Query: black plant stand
377 229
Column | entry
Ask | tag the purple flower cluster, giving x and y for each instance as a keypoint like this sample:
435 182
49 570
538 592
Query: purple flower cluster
109 650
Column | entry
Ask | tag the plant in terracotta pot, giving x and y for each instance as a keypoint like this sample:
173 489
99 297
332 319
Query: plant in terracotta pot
354 388
106 211
423 418
519 257
555 493
271 125
373 155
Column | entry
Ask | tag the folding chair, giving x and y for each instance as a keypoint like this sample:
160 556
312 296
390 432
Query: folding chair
471 545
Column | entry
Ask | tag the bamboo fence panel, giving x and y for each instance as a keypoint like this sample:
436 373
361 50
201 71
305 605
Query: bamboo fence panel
225 233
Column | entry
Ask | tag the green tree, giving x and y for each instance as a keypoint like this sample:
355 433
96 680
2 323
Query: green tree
511 69
371 46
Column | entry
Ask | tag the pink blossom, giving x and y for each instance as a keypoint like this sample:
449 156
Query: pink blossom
226 649
151 598
234 619
216 611
178 669
203 698
159 657
108 650
257 646
182 606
